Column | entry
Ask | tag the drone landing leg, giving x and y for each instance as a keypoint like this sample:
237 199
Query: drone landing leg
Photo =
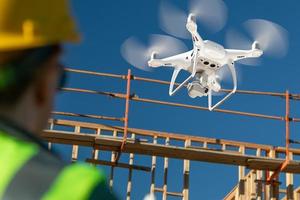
233 74
175 74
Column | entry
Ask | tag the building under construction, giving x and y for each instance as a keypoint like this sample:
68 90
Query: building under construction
264 171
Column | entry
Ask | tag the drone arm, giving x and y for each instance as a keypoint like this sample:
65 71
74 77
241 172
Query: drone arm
197 40
235 54
172 61
234 78
191 26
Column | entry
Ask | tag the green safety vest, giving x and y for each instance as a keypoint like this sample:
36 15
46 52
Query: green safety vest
29 171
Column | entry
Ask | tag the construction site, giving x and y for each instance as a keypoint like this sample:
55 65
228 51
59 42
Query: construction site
149 100
264 171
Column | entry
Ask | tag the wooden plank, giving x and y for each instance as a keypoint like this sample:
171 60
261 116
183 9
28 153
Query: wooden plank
214 149
290 182
129 181
176 136
175 194
153 168
95 152
273 164
112 169
231 194
166 166
297 193
242 187
186 174
112 144
121 165
49 143
259 177
160 134
75 148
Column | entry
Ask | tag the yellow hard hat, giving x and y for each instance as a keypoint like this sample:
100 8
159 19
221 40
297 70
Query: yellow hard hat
35 23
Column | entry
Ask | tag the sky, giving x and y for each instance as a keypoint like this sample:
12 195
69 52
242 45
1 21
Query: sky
105 25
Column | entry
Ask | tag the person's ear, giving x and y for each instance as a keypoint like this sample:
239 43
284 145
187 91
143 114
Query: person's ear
46 85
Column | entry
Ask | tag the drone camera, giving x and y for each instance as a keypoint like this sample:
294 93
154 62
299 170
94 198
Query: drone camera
195 89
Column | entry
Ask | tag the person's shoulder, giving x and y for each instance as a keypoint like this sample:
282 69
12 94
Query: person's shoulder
73 181
66 181
81 181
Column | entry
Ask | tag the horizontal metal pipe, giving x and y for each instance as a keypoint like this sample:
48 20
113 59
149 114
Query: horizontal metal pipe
87 116
91 92
135 98
276 94
205 108
95 73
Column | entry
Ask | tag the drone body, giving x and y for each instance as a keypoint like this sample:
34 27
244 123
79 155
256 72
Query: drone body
203 62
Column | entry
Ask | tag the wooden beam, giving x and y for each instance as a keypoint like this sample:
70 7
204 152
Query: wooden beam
121 165
175 194
153 168
174 136
112 144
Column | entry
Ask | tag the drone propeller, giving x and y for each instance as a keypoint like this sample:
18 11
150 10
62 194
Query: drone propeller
224 75
212 14
271 38
138 54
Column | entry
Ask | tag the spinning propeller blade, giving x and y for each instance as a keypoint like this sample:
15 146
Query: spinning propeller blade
212 14
138 54
224 75
236 40
271 38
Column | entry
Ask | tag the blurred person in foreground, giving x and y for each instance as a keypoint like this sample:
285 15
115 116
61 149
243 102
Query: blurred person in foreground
31 35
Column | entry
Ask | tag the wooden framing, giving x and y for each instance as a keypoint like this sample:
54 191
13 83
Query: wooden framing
261 182
138 144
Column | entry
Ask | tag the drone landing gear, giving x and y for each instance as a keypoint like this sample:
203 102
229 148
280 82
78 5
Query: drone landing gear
233 74
172 91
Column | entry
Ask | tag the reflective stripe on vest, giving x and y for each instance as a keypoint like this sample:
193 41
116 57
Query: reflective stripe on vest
13 155
35 177
75 182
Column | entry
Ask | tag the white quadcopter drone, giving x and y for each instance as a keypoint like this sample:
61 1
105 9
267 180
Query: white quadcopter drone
207 58
203 62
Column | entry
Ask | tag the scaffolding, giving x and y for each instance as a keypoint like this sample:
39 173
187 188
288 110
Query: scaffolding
261 182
